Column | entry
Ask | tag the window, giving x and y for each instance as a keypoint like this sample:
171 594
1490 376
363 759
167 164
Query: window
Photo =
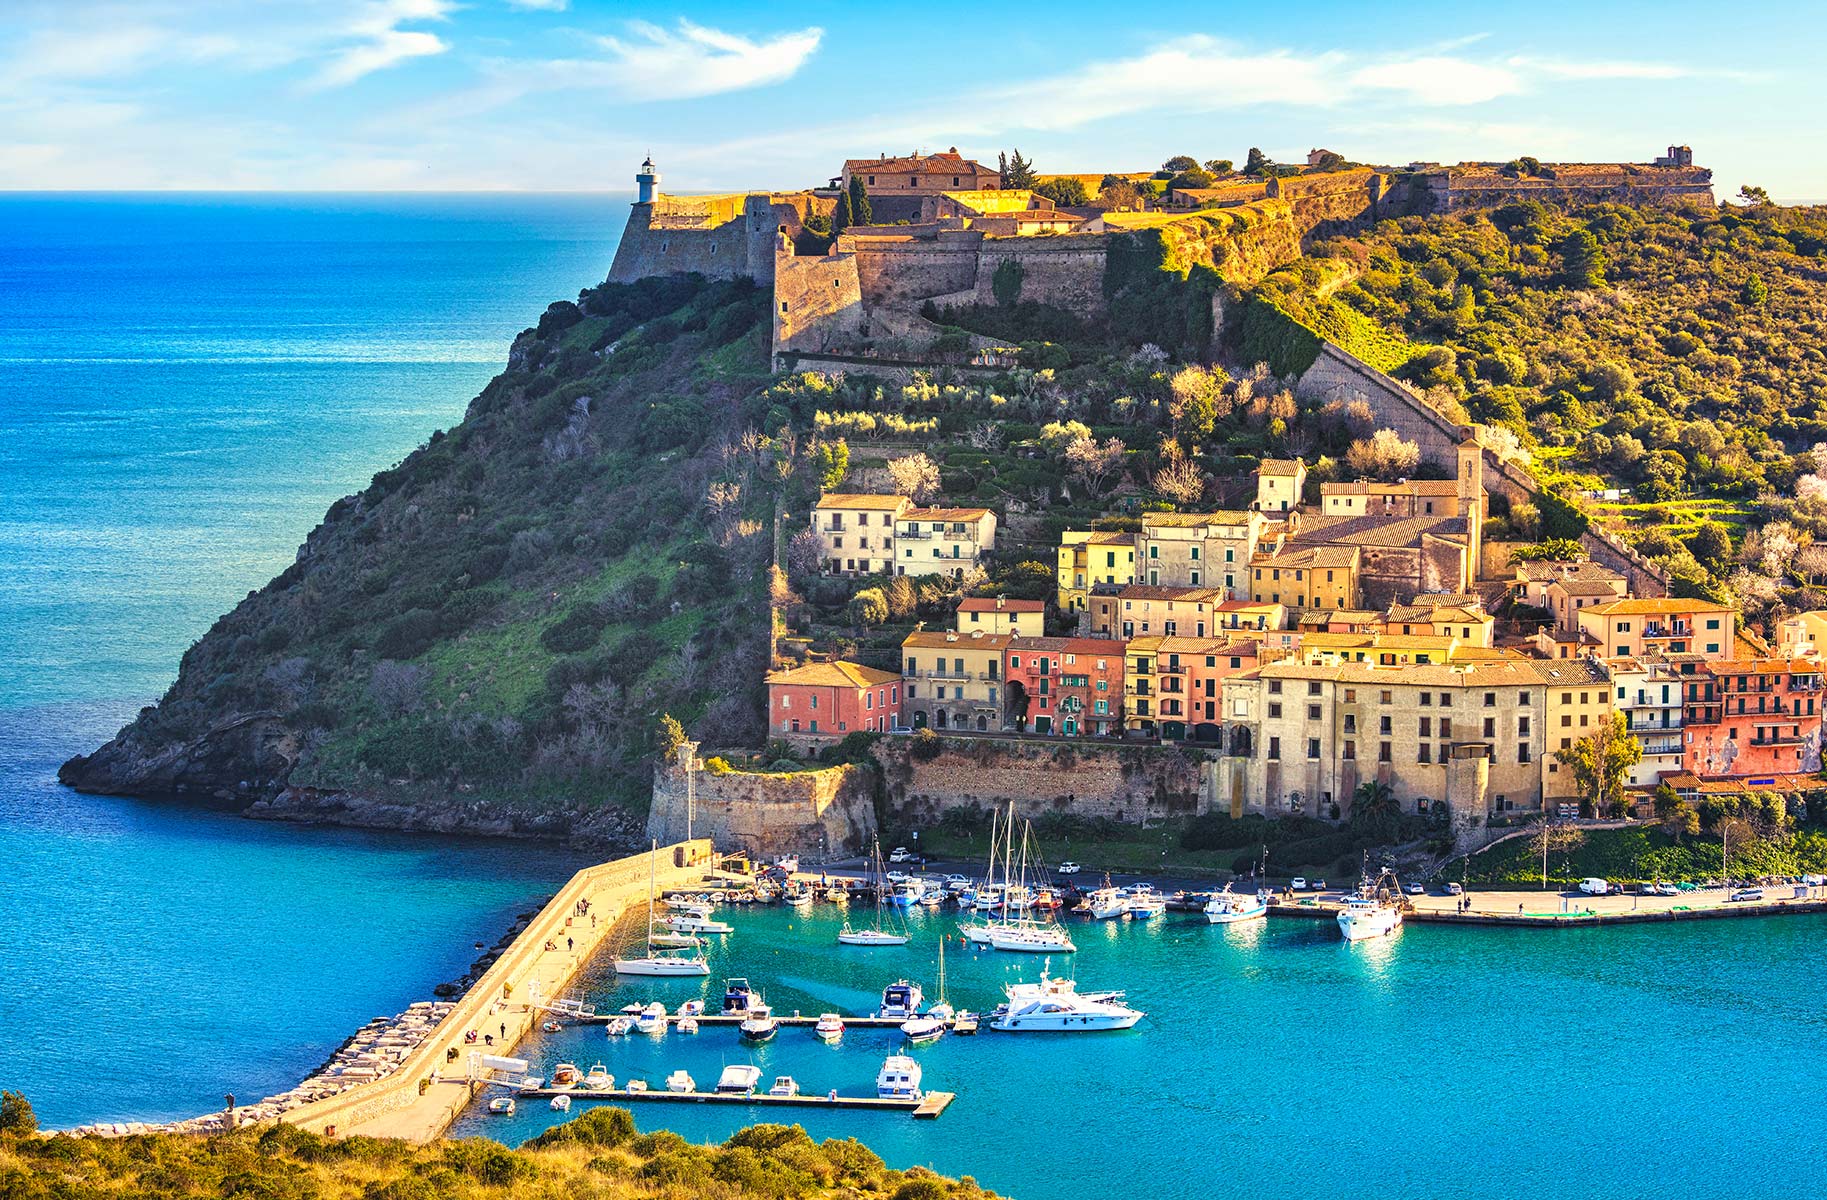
1446 727
1383 752
1423 753
1275 712
1446 700
1312 749
1490 727
1427 727
1275 748
1427 699
1490 699
1383 726
1274 687
1385 697
1522 698
1313 712
1522 752
815 701
1351 750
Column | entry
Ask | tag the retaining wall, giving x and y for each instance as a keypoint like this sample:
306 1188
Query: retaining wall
830 810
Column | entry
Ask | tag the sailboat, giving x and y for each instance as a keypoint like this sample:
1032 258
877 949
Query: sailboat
992 896
930 1025
654 963
875 935
1025 933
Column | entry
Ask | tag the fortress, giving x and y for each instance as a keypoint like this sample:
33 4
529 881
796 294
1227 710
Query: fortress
956 231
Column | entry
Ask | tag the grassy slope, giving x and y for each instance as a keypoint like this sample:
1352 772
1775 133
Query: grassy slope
1646 853
413 646
597 1156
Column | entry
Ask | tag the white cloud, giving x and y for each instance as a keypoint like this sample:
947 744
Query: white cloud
378 42
1560 69
1440 79
541 5
657 64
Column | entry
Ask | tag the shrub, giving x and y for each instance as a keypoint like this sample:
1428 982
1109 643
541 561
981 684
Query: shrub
926 745
409 636
599 1127
577 630
16 1115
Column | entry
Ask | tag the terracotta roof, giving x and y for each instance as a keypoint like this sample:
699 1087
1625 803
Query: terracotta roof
1149 591
1544 570
1281 466
834 674
1227 516
1097 537
1309 558
861 500
1412 487
1588 587
1375 530
942 639
945 160
945 514
1435 612
1001 604
1655 607
1504 672
1109 647
1559 671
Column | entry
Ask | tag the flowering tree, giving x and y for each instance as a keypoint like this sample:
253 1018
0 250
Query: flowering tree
1383 455
915 475
1092 463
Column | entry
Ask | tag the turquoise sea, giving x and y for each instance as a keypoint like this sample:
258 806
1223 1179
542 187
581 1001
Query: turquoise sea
1275 1061
189 382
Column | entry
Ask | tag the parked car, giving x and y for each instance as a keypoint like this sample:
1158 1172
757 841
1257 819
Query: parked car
897 877
1666 889
1595 887
900 854
1750 893
1298 883
1319 885
1453 889
955 882
1069 868
1415 889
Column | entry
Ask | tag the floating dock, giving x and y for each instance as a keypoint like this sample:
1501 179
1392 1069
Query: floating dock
731 1020
926 1107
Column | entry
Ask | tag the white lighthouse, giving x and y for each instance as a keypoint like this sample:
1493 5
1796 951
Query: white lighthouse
648 180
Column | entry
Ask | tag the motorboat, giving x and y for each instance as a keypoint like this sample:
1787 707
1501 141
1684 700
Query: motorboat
987 898
875 935
561 1104
635 1085
502 1106
899 1078
619 1026
1144 903
932 898
692 923
836 895
784 1085
662 938
566 1075
901 1000
964 1024
1032 937
1106 902
738 996
1056 1006
598 1079
760 1024
654 963
687 1025
1229 908
681 1081
692 1008
549 1026
739 1080
652 1019
801 898
1374 910
921 1030
828 1028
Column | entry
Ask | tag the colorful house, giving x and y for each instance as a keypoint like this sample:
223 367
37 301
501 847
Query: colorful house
820 703
1064 687
943 541
953 680
1632 628
858 532
1760 717
1089 557
999 614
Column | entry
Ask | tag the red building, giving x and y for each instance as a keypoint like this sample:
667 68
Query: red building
1190 675
820 703
1064 687
1753 717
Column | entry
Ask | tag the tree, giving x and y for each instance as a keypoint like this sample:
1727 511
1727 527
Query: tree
832 461
1197 177
1602 761
1220 166
16 1115
1092 463
1065 192
1374 798
915 475
1017 172
1327 160
1179 477
1119 195
1582 261
1753 197
1198 400
869 607
841 219
805 553
1179 163
1383 455
902 597
1056 437
1256 162
668 737
861 212
1755 293
1711 544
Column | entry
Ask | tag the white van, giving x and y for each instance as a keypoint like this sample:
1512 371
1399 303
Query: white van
1594 887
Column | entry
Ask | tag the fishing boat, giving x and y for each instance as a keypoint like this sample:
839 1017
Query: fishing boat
784 1085
566 1075
875 935
654 963
829 1027
739 1080
1229 908
800 898
901 1000
738 996
1144 903
598 1079
501 1106
681 1081
760 1025
561 1104
1056 1006
907 893
836 895
652 1019
1106 902
688 1025
619 1026
1373 911
899 1078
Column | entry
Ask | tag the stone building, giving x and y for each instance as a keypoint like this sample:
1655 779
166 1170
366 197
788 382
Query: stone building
1279 484
1577 694
858 532
1756 717
1405 498
953 680
1210 549
920 174
1307 577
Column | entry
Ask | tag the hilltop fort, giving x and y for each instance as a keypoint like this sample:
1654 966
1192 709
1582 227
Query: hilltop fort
943 230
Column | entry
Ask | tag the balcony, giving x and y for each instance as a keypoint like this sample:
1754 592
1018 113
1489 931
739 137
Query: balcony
1778 739
953 676
1674 629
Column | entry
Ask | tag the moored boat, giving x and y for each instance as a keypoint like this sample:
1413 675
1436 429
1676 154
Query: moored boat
501 1106
965 1023
901 1000
566 1075
760 1024
561 1104
1229 908
829 1027
654 963
1056 1006
598 1079
784 1085
739 1079
652 1019
738 996
1374 910
687 1025
921 1030
899 1078
681 1081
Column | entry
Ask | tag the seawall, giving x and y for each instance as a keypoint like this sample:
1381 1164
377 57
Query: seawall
822 811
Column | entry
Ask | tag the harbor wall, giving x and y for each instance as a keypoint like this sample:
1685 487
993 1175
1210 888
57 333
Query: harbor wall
416 1102
823 811
1134 784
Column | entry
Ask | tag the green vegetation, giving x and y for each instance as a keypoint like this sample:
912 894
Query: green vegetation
598 1156
1644 852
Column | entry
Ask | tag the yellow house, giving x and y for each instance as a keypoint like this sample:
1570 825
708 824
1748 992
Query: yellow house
952 680
1141 686
1471 626
1088 557
858 532
1578 698
1307 577
1384 650
999 614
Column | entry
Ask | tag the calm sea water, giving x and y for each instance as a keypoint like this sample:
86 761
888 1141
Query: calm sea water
1276 1061
190 381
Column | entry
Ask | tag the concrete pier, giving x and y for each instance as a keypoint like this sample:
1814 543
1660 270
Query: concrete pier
419 1100
928 1106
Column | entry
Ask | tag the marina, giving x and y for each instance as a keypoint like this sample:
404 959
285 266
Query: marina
925 1107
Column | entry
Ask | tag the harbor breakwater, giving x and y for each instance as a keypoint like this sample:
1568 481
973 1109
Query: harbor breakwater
406 1076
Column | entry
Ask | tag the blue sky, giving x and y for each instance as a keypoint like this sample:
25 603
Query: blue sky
569 94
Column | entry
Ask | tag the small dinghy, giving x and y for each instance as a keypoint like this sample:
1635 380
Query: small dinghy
501 1106
688 1025
561 1104
681 1081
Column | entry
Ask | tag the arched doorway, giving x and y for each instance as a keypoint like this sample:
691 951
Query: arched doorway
939 718
1173 731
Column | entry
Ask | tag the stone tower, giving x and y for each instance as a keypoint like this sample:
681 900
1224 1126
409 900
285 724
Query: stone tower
647 179
1471 498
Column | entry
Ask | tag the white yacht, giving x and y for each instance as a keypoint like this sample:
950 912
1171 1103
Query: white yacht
693 923
681 1081
901 1000
785 1086
1106 902
1032 937
760 1024
654 963
739 1080
598 1079
920 1030
829 1028
899 1078
875 935
1055 1006
1228 907
652 1019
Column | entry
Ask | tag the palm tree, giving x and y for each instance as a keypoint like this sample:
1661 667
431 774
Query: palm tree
1374 798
